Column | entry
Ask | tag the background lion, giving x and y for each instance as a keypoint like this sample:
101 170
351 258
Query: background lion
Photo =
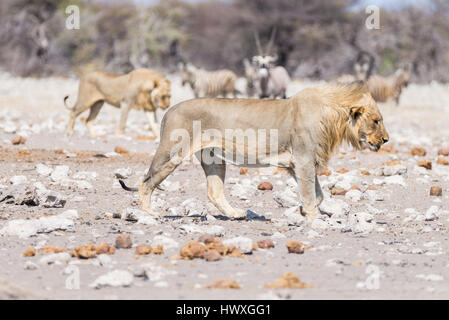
141 89
310 126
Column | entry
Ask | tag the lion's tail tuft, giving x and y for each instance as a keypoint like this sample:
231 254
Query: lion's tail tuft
127 188
65 103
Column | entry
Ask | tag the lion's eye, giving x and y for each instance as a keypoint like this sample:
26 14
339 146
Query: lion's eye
376 122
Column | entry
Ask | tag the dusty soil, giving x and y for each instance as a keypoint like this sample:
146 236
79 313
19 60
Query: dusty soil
397 253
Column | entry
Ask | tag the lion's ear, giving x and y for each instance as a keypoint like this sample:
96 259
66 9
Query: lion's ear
356 112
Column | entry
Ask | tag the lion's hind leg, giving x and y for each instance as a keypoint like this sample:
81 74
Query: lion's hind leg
160 168
318 191
215 170
93 113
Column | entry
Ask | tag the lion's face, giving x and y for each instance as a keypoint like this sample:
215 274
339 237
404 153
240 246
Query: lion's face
368 124
161 95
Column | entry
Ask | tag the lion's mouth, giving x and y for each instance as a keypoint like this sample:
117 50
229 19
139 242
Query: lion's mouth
373 147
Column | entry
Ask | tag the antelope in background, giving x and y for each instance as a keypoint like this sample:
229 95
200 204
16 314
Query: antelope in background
384 89
263 78
208 83
363 68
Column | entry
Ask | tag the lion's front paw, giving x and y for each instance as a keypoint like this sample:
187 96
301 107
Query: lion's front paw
237 214
310 214
148 210
119 133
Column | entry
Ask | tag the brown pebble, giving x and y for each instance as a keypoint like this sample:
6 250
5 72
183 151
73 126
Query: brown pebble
85 252
365 173
212 255
425 164
105 248
324 172
342 170
52 249
443 161
121 150
234 252
243 171
143 249
265 186
193 250
206 238
18 140
30 252
288 280
338 191
265 244
436 191
417 151
443 152
158 250
123 241
392 163
295 247
224 284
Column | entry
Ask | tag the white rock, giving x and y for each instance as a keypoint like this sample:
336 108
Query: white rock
294 218
432 213
69 214
374 195
394 170
147 220
132 214
56 258
16 180
139 216
172 187
59 173
319 224
334 207
43 170
244 244
360 222
166 242
104 259
430 277
116 278
216 231
191 228
312 234
30 266
85 175
123 173
354 195
378 182
243 192
286 198
395 180
278 235
26 228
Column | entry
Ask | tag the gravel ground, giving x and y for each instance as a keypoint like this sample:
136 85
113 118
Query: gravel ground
383 237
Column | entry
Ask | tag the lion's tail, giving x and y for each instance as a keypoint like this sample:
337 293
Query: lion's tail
126 187
65 103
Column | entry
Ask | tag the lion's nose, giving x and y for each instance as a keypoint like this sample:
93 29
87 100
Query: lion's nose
385 140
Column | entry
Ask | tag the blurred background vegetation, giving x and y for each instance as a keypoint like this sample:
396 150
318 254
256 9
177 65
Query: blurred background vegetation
314 39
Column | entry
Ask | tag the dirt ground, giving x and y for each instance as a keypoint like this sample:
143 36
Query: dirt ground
390 240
